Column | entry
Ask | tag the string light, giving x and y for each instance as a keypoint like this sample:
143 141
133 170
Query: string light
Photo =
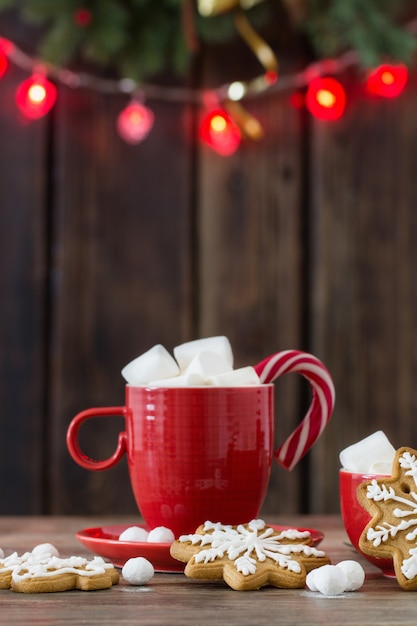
220 132
135 122
36 96
326 98
387 81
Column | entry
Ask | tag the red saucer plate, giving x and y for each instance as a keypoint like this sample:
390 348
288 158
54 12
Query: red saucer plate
104 541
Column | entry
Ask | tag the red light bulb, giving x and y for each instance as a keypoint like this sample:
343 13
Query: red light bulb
36 96
135 122
387 81
220 132
6 48
297 100
3 63
325 98
82 17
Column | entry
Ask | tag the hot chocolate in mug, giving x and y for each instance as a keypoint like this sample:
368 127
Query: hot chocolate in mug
205 453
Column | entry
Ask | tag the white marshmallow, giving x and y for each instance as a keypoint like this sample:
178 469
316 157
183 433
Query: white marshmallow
134 533
329 580
310 580
207 364
186 352
191 379
45 548
160 534
138 571
236 378
355 574
381 467
154 364
361 456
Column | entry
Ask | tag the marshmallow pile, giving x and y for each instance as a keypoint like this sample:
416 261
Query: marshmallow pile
160 534
200 362
333 580
372 455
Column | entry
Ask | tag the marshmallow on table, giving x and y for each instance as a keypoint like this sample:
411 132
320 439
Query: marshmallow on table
154 364
333 580
355 574
186 352
368 454
241 376
329 580
138 571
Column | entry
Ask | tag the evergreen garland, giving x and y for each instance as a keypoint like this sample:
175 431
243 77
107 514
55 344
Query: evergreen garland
141 38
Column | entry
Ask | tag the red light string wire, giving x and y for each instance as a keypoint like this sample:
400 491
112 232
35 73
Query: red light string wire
78 80
328 106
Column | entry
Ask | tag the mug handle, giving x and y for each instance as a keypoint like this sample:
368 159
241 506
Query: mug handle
321 406
74 446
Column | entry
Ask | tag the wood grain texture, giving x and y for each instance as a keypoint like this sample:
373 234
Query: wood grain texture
121 269
363 290
23 276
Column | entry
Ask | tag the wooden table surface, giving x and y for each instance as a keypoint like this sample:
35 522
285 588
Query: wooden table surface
173 599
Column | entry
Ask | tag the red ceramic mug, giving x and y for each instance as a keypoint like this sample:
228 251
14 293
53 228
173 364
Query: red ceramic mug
205 453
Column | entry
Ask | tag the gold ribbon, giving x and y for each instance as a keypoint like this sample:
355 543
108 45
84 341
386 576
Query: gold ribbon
259 47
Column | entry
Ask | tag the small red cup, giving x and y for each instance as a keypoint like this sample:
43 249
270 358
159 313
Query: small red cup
355 517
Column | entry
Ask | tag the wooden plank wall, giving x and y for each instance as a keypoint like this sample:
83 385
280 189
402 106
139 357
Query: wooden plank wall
303 240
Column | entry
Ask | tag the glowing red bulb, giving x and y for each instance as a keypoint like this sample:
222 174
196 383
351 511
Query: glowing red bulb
220 132
3 63
297 100
326 98
82 17
387 81
36 96
135 122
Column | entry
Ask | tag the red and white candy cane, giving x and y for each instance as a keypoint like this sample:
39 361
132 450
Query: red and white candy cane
321 407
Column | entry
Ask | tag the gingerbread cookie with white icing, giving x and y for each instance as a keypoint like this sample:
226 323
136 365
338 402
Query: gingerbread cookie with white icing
44 572
249 556
392 530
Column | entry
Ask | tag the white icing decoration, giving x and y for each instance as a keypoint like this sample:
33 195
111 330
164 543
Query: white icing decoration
383 532
30 565
242 544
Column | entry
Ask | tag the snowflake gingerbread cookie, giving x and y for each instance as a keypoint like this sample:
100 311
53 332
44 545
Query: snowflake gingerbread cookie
249 556
392 530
